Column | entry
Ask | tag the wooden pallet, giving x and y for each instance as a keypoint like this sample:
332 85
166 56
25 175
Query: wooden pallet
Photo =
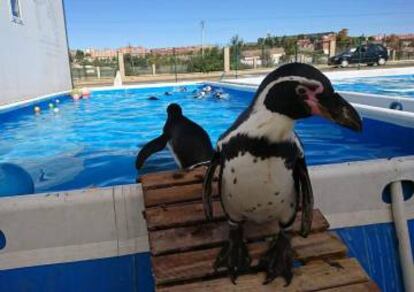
184 246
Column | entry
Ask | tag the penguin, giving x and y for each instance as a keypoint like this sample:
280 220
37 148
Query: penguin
221 95
188 142
263 175
152 97
200 95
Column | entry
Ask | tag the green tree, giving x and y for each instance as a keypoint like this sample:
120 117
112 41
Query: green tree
343 40
236 46
211 61
79 55
393 41
269 41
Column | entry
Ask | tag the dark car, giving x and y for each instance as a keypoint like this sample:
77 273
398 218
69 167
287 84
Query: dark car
366 54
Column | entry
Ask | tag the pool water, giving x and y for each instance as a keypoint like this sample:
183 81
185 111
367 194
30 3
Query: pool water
401 85
94 142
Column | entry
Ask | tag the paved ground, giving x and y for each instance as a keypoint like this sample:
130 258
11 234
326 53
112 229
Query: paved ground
216 76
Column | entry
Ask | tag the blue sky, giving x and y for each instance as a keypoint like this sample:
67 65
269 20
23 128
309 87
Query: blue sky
166 23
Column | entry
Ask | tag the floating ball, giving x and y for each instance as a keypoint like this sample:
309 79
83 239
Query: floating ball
57 101
14 180
56 110
85 92
51 105
75 93
37 109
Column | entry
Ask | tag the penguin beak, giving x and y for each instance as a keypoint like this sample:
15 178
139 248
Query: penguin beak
336 109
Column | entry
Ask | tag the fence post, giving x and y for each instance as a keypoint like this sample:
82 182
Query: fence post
226 59
153 69
175 65
359 55
237 60
332 47
98 72
121 65
296 52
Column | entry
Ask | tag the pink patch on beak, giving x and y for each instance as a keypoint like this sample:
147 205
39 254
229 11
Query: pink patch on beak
314 107
312 101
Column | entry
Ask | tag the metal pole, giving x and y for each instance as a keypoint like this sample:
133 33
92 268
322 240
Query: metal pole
132 65
237 60
263 57
296 52
401 228
202 37
175 65
359 58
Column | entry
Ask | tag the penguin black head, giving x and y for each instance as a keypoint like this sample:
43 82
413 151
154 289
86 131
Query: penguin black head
174 110
299 91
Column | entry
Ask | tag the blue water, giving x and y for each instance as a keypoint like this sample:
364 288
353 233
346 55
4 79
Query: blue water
94 142
401 85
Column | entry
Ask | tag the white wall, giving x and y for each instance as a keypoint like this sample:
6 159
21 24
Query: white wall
34 55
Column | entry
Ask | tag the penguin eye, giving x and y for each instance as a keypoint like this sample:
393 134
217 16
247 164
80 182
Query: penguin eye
300 90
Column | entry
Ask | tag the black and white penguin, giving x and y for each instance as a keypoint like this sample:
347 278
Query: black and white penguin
263 175
188 142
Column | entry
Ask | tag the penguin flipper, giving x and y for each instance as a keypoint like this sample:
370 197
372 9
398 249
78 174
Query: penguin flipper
207 186
306 196
150 148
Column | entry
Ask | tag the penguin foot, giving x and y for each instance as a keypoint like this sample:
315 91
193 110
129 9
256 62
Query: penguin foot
234 255
278 260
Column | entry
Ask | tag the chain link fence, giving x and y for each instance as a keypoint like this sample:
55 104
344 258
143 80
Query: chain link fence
94 70
174 61
243 58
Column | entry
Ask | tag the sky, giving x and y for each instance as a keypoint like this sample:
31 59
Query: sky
168 23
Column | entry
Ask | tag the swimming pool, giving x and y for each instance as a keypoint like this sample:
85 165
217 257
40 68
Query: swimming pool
93 143
398 85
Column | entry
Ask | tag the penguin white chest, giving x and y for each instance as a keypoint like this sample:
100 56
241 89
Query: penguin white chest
171 149
258 190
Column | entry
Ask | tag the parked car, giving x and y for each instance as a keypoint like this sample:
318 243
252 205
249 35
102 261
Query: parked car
366 54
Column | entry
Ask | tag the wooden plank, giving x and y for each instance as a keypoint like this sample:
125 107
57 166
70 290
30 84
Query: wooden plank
314 276
360 287
174 194
172 178
197 264
181 215
210 234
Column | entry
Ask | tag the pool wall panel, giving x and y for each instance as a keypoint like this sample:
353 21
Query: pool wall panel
378 100
72 226
130 273
376 248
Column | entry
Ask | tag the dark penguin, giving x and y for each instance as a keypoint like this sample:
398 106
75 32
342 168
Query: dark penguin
263 175
187 141
153 98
